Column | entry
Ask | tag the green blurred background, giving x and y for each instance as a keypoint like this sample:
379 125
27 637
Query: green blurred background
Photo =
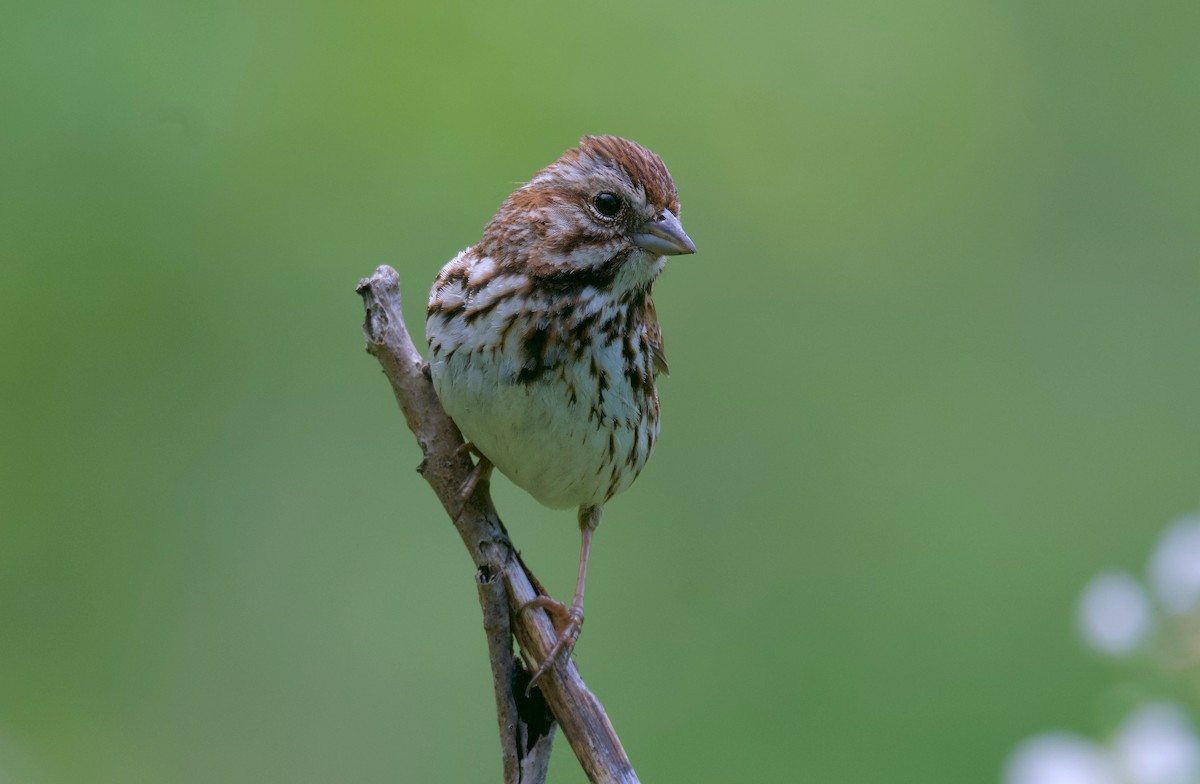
936 363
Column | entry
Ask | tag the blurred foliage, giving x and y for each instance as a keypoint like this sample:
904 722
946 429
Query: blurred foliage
935 364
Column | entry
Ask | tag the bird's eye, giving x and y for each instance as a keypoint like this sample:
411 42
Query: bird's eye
607 204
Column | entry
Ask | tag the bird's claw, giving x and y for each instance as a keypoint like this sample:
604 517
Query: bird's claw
568 622
481 472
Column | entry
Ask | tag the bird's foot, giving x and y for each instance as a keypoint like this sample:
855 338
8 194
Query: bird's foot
481 472
568 622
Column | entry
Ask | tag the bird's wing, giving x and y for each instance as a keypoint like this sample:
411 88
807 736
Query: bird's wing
654 337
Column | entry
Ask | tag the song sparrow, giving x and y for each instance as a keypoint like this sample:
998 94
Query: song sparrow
545 342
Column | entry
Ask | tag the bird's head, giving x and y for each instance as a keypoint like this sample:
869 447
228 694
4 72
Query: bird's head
606 214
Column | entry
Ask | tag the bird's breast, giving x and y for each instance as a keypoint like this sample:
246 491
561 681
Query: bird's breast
557 391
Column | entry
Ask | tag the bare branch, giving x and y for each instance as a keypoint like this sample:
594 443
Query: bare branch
445 468
527 731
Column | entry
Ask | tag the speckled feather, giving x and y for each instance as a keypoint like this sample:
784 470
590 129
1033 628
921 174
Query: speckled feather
545 343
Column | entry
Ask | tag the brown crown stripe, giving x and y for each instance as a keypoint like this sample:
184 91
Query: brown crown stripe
643 166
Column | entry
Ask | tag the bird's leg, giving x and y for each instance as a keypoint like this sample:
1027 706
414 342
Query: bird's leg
568 621
481 472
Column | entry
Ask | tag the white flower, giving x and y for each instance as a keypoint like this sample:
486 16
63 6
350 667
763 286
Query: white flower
1175 565
1059 758
1114 613
1158 745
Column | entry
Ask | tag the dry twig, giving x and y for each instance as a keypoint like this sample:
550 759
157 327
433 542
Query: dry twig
504 583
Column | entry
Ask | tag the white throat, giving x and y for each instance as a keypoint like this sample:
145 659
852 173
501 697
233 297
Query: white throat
637 272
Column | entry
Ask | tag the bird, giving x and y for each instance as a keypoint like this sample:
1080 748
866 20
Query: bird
545 345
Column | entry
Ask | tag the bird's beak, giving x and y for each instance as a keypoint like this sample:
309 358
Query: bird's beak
664 235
